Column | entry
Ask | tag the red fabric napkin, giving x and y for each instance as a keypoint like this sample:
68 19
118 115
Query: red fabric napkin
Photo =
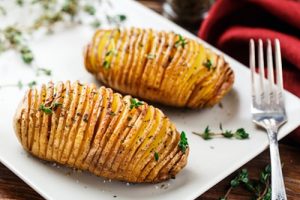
231 23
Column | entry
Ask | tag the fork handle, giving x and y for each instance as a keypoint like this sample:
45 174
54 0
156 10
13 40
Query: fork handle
277 183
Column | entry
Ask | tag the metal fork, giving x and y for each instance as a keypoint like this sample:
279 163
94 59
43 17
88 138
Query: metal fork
268 109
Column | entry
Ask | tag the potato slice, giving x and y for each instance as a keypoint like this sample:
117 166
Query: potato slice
67 99
46 121
127 141
117 106
132 117
128 61
58 98
140 136
39 115
69 119
24 119
145 48
83 122
32 119
76 117
133 67
104 120
92 127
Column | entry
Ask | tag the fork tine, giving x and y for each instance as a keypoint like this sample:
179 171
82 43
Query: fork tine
278 63
252 68
261 69
270 71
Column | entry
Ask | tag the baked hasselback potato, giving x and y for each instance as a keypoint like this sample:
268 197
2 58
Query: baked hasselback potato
161 67
100 131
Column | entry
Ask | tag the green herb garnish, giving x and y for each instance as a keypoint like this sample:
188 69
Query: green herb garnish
111 52
106 64
89 9
134 103
45 71
156 156
151 56
116 19
32 84
49 109
260 189
183 143
96 23
45 109
2 11
180 42
20 2
239 134
208 64
26 54
20 84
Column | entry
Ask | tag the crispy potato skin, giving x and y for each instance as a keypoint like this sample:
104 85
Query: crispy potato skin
155 66
98 130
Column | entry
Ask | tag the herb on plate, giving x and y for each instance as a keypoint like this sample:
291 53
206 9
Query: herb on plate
20 84
239 134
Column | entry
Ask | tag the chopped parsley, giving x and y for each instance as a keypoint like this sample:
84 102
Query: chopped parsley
134 103
111 52
183 143
45 109
49 109
156 156
180 42
106 64
208 64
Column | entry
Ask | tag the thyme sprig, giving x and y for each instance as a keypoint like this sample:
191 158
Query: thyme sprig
134 103
239 134
49 109
180 42
260 189
12 37
20 85
67 12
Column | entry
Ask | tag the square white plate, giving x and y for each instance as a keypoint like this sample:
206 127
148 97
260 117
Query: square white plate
209 161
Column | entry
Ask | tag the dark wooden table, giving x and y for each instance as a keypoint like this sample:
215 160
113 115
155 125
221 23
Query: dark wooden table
12 187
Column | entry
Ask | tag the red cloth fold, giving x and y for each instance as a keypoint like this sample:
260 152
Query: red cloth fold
231 23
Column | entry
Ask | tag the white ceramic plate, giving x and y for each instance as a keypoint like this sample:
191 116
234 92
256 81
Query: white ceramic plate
209 161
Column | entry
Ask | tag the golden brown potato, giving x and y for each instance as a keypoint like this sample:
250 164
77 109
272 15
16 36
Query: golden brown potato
161 67
100 131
